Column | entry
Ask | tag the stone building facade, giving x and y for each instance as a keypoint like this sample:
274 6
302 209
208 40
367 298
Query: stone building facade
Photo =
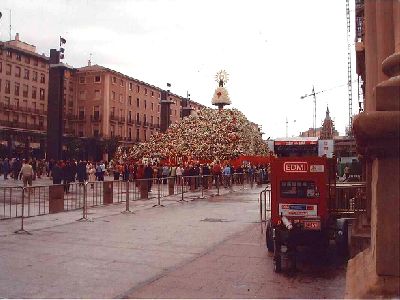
23 96
375 272
98 103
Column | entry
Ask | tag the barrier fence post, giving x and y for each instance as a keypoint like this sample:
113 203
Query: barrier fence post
84 211
202 187
261 210
158 194
127 211
217 182
22 230
182 186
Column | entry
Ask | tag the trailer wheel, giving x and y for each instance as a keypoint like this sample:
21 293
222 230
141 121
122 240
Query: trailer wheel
277 251
342 238
277 264
269 239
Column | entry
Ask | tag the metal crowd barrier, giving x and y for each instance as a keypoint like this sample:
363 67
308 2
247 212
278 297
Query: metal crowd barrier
264 202
23 202
347 197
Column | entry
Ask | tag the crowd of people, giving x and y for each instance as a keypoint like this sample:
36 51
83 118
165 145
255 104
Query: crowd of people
60 172
187 173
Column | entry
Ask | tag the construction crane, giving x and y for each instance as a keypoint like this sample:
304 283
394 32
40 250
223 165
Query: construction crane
349 81
315 108
313 93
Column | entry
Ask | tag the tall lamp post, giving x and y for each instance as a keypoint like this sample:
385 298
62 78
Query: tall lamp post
166 101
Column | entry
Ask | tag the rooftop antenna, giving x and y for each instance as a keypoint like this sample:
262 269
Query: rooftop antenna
10 24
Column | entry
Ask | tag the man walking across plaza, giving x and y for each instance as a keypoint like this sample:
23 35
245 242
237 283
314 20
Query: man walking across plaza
27 173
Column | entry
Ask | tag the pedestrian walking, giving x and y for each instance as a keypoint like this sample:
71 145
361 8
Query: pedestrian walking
26 173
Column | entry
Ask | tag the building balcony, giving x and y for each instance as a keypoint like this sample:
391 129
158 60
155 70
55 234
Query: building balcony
151 126
146 124
33 111
113 118
95 118
138 123
130 121
76 118
69 131
121 120
21 125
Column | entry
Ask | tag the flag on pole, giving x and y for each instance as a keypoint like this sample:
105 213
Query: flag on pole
168 85
62 41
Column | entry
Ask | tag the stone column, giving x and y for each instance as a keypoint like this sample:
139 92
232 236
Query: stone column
375 272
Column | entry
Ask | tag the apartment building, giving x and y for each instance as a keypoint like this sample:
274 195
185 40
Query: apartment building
111 104
23 95
98 102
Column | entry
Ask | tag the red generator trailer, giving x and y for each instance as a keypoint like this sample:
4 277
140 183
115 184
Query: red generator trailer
300 212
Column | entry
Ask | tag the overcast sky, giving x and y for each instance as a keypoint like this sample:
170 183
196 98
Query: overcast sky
274 51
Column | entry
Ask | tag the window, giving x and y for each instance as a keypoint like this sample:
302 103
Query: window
16 89
152 106
137 102
158 108
114 80
95 132
112 130
130 86
1 67
82 95
145 91
34 76
144 119
138 88
81 113
97 78
152 93
96 112
26 74
158 121
129 133
112 111
121 83
80 133
70 103
27 60
151 120
298 189
41 94
137 135
8 69
8 87
137 117
17 72
35 62
130 100
42 78
121 98
25 90
82 80
0 85
145 104
8 53
113 96
18 57
97 94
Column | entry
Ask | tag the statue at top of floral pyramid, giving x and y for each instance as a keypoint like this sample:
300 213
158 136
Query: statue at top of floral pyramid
221 96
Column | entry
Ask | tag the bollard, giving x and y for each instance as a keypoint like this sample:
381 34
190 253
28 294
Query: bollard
22 230
127 210
202 187
84 211
144 188
171 185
